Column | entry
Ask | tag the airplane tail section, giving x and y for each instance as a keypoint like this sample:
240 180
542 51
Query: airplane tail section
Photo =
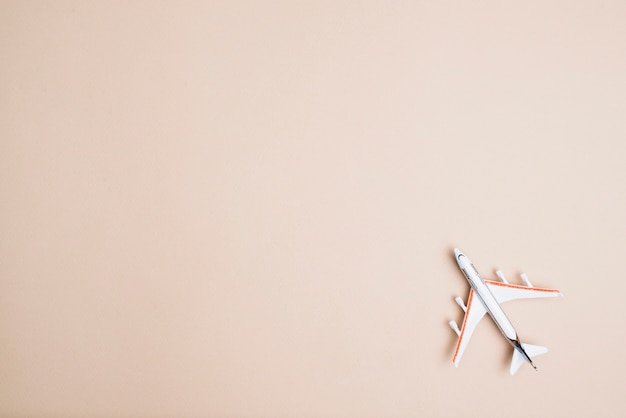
519 358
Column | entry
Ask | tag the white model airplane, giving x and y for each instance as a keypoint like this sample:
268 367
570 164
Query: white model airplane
485 296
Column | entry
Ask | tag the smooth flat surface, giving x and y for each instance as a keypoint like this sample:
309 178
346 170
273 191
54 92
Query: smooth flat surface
249 209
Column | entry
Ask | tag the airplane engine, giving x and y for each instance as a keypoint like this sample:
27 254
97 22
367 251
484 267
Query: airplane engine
501 276
525 279
455 327
459 302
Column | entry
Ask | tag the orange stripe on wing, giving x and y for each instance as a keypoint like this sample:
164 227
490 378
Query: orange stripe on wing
515 286
469 306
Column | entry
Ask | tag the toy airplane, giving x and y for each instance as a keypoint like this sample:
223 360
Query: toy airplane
485 296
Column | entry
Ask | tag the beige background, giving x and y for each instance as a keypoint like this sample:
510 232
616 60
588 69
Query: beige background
248 208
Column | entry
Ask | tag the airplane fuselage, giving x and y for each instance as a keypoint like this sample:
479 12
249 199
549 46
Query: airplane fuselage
485 296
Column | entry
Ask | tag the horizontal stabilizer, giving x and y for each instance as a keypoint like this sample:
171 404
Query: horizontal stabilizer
518 358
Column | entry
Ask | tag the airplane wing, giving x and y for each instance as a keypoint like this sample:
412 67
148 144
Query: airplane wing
473 314
505 292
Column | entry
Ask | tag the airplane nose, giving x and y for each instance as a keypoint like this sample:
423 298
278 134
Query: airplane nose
457 253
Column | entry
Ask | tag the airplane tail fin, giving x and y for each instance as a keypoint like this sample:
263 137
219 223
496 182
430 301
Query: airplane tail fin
519 358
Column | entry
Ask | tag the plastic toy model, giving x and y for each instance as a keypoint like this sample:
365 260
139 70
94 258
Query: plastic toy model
485 296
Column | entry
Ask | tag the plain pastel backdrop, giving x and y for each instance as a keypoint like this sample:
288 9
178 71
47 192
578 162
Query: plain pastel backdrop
249 208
